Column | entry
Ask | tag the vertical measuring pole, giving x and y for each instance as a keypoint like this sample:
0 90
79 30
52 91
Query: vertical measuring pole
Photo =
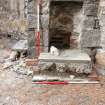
38 27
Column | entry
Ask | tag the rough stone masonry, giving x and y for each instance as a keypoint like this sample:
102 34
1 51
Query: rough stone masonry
82 20
91 25
13 19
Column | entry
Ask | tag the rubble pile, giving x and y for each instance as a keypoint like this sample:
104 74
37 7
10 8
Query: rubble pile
18 66
16 60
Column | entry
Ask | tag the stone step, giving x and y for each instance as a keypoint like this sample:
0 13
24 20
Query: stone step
68 61
66 56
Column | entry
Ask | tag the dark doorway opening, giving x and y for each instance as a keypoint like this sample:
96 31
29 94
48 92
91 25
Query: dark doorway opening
65 24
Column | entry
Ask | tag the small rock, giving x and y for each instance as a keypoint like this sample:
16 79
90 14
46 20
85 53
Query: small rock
87 71
22 63
100 70
7 65
100 59
46 66
61 67
13 56
39 78
72 77
29 72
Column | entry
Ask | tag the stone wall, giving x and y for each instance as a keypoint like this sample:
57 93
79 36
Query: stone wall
102 22
91 30
32 26
12 19
90 33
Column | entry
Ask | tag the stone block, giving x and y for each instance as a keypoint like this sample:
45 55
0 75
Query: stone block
45 49
89 22
103 39
100 59
43 66
31 53
32 7
76 62
68 56
32 21
90 38
78 68
44 21
91 1
102 3
46 38
45 7
102 20
31 38
100 71
21 45
102 10
90 10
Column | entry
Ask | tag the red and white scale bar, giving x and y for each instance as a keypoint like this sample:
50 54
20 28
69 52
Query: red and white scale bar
66 82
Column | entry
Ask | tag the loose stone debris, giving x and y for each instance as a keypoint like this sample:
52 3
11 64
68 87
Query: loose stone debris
18 66
17 63
7 64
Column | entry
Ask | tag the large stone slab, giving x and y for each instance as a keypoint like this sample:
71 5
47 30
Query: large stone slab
91 38
21 45
66 56
68 61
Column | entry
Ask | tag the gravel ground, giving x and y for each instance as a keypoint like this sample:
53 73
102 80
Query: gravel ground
17 89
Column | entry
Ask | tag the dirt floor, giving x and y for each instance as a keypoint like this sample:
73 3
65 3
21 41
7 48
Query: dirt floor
17 89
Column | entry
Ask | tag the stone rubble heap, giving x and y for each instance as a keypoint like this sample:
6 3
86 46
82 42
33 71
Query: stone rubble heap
17 63
18 66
